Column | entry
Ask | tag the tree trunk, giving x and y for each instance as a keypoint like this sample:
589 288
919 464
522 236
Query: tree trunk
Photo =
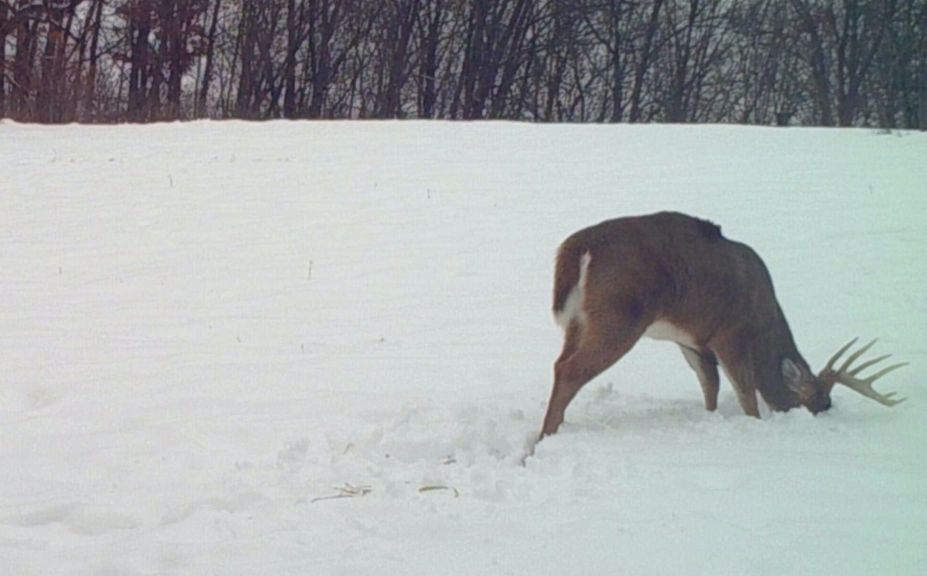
90 89
643 63
294 39
3 32
174 40
429 41
820 80
202 98
922 80
140 28
26 45
617 67
246 32
399 34
46 97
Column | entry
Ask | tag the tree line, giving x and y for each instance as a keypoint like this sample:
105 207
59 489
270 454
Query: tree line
807 62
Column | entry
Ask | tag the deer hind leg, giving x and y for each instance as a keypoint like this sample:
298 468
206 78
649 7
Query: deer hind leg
705 365
587 352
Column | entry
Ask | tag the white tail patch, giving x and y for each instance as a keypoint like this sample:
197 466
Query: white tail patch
573 307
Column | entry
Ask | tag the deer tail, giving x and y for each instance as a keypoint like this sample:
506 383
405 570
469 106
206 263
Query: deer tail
572 261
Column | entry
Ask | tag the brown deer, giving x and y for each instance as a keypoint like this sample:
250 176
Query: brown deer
674 277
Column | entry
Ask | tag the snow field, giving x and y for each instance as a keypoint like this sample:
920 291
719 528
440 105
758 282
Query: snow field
291 348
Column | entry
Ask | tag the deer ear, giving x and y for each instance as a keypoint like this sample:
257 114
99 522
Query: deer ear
791 375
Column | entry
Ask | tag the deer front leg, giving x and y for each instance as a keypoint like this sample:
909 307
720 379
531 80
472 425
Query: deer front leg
742 373
705 365
746 396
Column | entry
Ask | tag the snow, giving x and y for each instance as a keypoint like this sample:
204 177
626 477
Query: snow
325 348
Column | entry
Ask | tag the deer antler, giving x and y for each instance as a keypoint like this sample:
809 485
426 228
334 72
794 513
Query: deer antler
848 377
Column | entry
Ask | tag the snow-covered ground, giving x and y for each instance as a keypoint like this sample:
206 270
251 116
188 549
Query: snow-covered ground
323 348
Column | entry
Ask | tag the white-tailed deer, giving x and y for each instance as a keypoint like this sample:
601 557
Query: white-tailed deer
673 277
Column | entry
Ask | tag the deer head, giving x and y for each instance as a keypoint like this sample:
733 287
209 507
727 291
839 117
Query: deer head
814 390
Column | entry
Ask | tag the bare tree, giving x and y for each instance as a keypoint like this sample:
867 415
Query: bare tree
431 22
93 57
4 19
846 62
399 22
696 41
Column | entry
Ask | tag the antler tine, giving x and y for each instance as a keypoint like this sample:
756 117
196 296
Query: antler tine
847 374
885 371
864 386
837 355
868 363
852 357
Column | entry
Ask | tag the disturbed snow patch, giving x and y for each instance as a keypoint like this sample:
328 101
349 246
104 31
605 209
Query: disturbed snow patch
465 449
